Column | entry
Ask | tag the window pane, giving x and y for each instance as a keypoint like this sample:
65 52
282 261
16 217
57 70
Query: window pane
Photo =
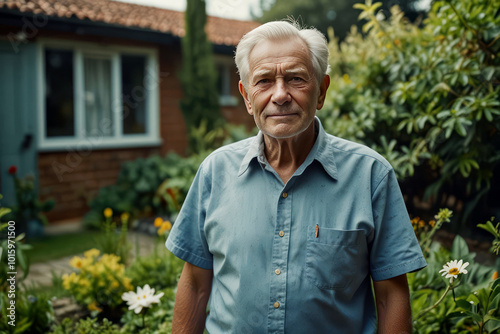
224 79
59 112
98 113
134 94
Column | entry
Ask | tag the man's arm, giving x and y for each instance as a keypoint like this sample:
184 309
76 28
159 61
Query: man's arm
393 305
190 306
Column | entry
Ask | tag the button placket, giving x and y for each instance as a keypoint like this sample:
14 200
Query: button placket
281 243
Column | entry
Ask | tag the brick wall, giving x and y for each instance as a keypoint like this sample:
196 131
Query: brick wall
73 178
172 125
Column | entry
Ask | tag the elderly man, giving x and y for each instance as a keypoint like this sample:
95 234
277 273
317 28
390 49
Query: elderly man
285 232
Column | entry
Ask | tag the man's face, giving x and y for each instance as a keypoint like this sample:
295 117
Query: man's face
282 92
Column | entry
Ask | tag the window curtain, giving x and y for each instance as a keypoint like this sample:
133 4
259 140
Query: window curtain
98 113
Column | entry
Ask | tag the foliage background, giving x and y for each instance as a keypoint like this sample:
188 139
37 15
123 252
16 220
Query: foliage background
427 98
322 14
198 75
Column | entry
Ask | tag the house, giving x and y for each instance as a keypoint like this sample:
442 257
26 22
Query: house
88 84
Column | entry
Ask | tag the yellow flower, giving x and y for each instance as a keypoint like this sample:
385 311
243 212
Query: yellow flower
94 307
99 268
346 78
495 275
84 283
91 253
115 285
108 213
165 226
127 284
125 216
76 262
432 223
158 221
68 280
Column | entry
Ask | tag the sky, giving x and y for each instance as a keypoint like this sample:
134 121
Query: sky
231 9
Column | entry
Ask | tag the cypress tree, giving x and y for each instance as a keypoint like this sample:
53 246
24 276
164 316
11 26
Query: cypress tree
198 76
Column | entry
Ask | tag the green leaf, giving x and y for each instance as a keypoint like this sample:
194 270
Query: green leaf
489 317
459 127
489 227
463 304
4 211
459 249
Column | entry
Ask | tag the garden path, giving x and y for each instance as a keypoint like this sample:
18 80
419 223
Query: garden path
41 273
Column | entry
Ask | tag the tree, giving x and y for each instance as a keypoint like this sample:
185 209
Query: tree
200 103
322 14
426 97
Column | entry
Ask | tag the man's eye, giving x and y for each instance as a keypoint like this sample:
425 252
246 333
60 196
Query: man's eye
262 81
297 79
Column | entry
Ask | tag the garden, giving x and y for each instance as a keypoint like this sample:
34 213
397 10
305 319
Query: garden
425 95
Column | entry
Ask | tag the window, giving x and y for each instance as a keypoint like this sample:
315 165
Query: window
105 96
225 68
59 93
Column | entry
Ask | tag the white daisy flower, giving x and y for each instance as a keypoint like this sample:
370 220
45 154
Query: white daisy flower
454 268
144 297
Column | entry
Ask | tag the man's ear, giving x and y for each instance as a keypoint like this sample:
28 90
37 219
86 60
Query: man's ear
243 93
323 87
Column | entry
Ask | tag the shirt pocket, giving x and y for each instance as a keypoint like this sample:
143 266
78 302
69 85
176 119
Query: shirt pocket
335 259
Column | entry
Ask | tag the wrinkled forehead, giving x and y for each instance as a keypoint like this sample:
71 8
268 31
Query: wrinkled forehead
291 54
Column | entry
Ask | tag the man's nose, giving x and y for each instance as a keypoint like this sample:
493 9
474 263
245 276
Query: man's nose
281 94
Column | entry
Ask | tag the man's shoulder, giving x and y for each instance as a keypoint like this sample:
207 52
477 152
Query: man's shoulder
352 150
229 154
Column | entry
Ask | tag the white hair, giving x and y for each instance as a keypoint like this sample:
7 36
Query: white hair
283 30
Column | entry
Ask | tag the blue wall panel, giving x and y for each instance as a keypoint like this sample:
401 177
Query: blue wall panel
18 114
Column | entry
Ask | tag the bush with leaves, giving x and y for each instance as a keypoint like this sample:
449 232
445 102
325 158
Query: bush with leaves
33 313
425 96
98 282
135 191
86 326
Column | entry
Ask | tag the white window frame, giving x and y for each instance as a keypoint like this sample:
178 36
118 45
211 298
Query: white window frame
227 63
119 140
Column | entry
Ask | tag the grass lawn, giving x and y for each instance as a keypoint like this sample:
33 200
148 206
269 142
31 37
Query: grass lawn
57 246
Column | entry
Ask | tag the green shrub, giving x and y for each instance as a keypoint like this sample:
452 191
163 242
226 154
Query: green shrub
86 326
135 190
98 282
160 270
111 242
33 313
425 96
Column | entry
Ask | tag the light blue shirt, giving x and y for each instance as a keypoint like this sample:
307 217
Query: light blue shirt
273 273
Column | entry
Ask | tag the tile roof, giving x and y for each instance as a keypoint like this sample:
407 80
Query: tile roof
220 31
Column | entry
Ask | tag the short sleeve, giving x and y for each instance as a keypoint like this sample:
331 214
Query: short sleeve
187 238
394 249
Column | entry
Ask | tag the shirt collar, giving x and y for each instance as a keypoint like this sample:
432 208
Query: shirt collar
321 152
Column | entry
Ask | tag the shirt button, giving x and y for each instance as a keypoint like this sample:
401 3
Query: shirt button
282 234
285 195
276 305
277 271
